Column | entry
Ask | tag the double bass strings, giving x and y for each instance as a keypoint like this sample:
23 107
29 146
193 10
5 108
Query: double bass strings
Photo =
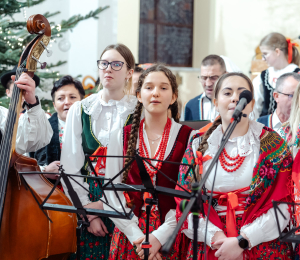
6 142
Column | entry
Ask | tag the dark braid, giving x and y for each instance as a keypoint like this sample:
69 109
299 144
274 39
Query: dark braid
133 137
174 111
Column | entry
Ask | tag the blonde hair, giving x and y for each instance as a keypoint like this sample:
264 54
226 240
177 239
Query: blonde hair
277 40
294 119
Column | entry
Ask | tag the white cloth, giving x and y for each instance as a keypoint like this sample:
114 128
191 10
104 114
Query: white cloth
209 110
261 229
259 90
34 131
113 165
105 118
276 122
230 65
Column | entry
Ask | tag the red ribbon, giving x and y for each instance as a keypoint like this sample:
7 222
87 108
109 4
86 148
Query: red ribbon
290 49
200 160
101 161
232 201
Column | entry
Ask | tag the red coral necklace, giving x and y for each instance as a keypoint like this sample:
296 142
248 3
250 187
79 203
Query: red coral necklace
237 161
160 153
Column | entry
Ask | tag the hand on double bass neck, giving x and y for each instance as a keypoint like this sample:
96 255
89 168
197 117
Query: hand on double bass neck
27 84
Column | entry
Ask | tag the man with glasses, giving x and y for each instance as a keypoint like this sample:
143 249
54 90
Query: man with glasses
202 107
283 94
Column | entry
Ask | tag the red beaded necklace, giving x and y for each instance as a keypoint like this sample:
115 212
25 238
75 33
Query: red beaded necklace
160 153
238 161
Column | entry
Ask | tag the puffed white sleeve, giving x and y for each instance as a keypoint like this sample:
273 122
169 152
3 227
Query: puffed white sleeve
264 228
3 116
114 165
258 96
72 155
34 130
211 230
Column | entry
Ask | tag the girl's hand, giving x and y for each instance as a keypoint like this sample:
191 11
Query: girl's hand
93 205
153 251
229 249
217 236
97 228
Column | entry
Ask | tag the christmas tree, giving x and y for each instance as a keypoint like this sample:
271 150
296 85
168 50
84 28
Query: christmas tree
14 37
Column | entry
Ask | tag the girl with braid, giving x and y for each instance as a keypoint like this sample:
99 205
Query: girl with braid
156 136
253 169
88 127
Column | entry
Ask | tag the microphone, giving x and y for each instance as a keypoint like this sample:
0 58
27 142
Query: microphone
245 98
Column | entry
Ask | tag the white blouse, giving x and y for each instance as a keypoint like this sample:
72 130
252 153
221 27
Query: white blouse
258 86
105 118
113 165
263 228
34 130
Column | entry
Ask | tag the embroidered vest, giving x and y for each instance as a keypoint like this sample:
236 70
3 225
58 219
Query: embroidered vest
269 105
194 109
89 141
165 203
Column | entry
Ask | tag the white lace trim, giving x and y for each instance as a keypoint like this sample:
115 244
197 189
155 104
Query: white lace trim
244 143
92 105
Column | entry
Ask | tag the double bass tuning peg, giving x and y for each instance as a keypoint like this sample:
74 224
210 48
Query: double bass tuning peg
43 64
49 52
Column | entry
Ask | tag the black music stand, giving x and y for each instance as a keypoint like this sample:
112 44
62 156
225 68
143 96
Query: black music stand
291 235
146 187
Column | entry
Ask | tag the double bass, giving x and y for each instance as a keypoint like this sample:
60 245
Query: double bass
28 232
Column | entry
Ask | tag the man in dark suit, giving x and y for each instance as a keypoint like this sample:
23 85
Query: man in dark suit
202 107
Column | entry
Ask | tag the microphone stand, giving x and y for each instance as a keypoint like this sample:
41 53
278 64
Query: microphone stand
195 205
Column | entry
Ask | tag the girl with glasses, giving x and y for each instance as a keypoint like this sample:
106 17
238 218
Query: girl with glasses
282 56
156 136
87 131
253 169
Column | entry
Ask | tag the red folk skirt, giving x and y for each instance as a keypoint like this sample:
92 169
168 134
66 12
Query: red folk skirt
121 248
268 250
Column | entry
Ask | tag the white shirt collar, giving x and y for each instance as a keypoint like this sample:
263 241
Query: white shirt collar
204 96
244 143
93 104
276 124
61 123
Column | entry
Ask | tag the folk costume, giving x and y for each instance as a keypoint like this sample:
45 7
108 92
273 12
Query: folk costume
171 148
272 121
253 170
34 130
200 108
264 86
87 131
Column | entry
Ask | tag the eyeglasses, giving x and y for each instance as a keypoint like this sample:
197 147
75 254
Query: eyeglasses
290 96
115 65
212 78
